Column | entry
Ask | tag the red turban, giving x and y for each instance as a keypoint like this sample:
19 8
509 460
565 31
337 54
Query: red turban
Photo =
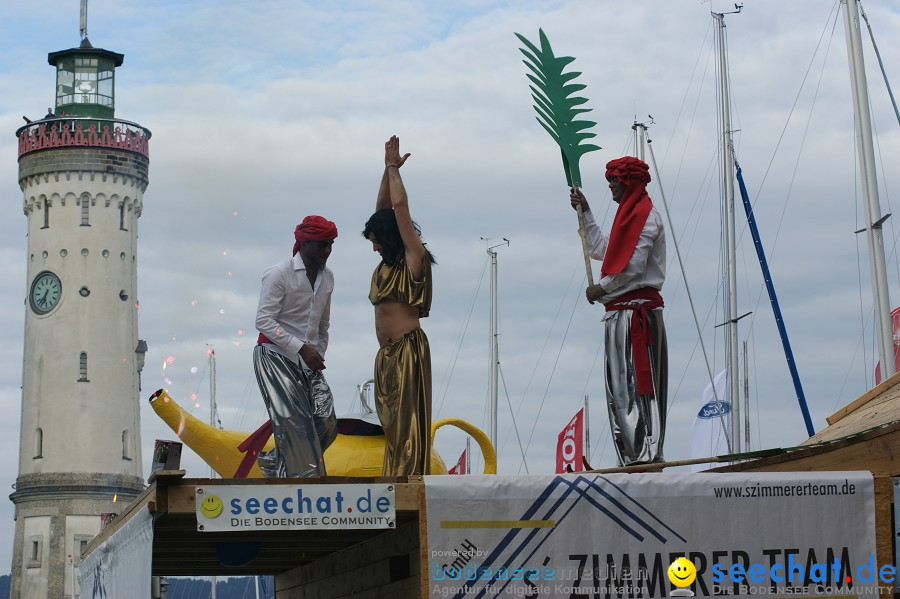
629 170
314 228
631 215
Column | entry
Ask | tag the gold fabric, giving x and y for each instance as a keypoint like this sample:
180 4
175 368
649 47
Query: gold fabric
403 403
396 282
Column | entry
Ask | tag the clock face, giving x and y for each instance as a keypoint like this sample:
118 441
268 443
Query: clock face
46 291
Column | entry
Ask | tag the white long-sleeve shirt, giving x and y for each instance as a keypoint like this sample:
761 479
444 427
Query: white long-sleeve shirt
291 312
645 268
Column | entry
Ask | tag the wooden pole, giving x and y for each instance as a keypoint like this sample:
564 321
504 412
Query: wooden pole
584 247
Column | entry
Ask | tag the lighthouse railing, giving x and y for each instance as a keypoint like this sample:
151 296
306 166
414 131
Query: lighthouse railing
74 131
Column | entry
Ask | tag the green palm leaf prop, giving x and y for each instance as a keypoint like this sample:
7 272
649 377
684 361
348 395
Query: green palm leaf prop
556 106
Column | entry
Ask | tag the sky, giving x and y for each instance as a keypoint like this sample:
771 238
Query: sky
263 112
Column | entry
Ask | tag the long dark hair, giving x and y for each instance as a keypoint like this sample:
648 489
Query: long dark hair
383 225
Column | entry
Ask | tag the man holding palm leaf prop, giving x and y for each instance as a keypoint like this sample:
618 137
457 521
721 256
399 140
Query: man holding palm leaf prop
633 271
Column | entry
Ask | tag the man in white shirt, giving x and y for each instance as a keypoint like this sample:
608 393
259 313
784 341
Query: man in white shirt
292 320
633 271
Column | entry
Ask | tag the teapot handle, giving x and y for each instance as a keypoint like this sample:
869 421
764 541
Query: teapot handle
487 450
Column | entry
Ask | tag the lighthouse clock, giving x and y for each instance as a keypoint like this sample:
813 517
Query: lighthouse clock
83 174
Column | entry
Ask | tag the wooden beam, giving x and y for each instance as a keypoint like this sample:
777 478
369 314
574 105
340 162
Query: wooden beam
884 528
864 398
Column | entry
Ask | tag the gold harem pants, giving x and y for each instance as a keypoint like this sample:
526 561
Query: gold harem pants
403 403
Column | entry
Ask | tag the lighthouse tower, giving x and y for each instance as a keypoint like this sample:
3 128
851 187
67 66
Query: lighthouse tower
83 174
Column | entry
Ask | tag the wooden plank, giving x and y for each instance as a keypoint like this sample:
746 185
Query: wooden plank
864 399
884 528
406 495
877 451
182 499
166 476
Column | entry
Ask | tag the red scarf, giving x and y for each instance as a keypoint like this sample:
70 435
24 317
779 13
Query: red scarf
631 216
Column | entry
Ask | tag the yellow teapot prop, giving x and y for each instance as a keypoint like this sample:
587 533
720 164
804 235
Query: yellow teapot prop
358 449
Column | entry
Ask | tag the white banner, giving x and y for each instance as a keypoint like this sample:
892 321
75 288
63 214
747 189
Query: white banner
120 567
592 535
294 507
709 436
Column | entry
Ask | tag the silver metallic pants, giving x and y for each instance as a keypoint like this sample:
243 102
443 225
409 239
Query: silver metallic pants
301 409
637 422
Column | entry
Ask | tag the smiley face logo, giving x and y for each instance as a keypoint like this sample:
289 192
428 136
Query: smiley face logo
211 507
682 572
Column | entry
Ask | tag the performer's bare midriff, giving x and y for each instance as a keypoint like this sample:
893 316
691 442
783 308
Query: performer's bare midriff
393 320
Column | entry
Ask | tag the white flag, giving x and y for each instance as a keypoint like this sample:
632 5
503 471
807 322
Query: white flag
713 423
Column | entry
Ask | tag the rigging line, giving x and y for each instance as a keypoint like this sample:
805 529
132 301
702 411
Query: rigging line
549 381
602 450
797 98
605 428
837 397
578 267
706 182
880 63
709 28
887 195
245 399
684 275
796 162
515 426
591 371
745 228
462 335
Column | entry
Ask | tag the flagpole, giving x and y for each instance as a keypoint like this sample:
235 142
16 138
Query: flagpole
468 455
587 431
746 399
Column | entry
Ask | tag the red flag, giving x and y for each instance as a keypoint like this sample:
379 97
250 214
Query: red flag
895 325
570 446
460 467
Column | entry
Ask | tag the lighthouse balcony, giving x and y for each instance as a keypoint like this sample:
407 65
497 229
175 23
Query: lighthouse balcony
74 131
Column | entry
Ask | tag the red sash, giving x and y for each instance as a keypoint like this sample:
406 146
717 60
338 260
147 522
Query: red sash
641 333
251 446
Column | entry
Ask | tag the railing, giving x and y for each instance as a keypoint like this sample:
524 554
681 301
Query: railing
83 131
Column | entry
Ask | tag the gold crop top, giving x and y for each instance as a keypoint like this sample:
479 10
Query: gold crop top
397 283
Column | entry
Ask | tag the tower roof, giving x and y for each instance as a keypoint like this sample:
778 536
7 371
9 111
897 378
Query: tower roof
86 49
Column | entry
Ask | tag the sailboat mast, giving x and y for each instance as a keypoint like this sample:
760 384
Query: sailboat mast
730 262
495 352
872 209
213 581
494 346
640 139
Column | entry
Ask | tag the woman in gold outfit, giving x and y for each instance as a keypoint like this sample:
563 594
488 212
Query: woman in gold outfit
401 294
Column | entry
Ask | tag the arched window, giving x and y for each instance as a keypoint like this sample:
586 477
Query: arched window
85 210
82 368
125 444
38 443
46 215
122 217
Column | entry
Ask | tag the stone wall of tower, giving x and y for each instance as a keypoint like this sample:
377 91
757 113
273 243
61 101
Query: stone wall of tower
80 453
